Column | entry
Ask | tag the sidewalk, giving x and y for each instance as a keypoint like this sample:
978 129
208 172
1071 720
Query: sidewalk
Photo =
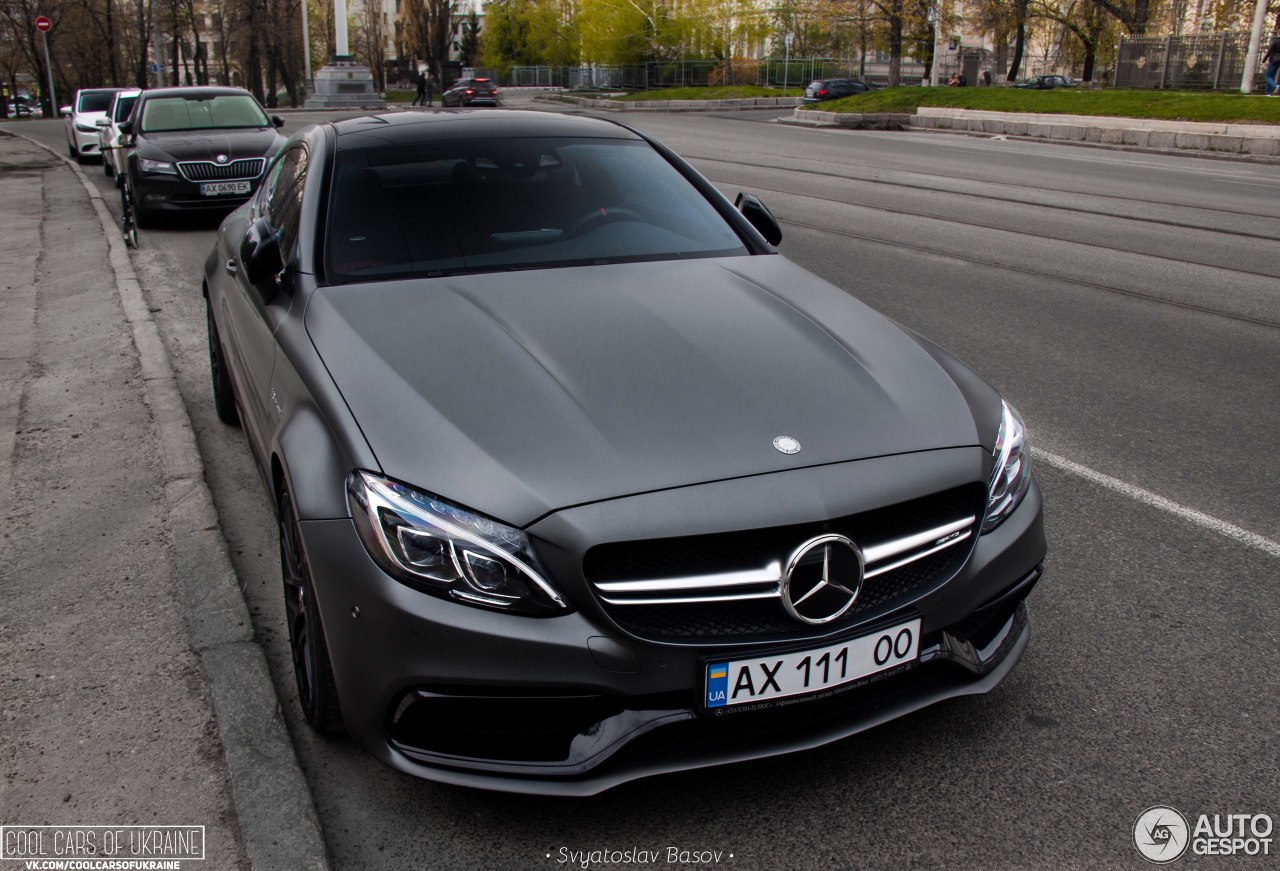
131 690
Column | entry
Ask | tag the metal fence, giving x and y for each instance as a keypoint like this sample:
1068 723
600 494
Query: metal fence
770 72
1204 61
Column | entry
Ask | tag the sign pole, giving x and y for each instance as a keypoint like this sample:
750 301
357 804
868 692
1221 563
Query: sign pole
43 24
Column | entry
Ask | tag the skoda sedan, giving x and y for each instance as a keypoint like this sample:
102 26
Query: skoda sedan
579 480
196 149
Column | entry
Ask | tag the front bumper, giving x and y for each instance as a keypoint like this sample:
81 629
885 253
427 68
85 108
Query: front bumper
157 192
574 705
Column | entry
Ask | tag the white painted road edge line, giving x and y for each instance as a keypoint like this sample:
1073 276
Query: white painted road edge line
1199 518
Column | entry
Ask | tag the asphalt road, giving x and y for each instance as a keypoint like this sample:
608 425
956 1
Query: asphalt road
1129 306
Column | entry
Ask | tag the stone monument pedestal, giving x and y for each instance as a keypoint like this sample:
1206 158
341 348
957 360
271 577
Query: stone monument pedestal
343 83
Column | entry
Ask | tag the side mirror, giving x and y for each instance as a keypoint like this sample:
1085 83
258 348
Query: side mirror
102 122
277 121
759 216
261 257
126 127
64 110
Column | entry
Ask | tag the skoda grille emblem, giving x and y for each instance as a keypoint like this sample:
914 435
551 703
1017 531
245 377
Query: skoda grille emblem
823 579
221 158
787 445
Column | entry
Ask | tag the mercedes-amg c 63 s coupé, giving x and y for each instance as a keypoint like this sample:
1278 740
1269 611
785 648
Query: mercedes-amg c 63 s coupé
579 480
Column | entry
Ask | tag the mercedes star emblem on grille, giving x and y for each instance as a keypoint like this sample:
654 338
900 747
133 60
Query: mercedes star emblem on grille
787 445
823 579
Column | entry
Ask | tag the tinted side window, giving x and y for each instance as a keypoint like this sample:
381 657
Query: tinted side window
284 195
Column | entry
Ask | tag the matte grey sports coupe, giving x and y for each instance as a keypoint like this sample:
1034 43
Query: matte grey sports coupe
579 480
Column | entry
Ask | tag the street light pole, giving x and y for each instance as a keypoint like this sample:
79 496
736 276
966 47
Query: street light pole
786 63
306 51
1255 40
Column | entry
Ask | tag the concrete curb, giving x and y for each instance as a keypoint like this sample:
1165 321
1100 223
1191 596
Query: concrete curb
274 808
675 105
1234 141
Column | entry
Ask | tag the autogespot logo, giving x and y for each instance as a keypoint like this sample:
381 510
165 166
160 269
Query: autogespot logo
1161 834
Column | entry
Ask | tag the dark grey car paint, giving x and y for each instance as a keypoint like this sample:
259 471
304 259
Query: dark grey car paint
482 391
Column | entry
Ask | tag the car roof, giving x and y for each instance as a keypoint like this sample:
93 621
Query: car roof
195 93
406 128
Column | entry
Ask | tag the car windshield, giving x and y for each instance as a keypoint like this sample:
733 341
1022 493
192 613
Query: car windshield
497 204
124 106
96 101
202 113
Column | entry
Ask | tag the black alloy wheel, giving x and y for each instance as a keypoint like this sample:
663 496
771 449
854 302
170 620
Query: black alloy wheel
317 693
224 398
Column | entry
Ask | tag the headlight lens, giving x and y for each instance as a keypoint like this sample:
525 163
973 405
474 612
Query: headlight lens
1012 475
145 165
443 549
85 128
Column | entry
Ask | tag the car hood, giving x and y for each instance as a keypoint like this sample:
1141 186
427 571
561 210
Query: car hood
208 144
519 393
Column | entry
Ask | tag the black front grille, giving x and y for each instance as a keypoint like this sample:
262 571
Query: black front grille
765 619
237 170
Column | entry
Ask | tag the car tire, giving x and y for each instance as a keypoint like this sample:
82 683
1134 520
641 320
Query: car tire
145 220
224 397
72 152
317 693
106 168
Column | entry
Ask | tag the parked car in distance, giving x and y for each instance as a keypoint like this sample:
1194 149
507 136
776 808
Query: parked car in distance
471 92
25 107
87 107
113 154
579 480
1045 83
833 89
196 149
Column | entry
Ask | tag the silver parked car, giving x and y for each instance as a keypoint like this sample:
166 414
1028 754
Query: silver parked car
109 135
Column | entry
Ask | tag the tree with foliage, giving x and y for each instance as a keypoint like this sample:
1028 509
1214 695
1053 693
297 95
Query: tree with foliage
630 31
469 42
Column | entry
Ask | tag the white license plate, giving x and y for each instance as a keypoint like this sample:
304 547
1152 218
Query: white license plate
741 681
223 188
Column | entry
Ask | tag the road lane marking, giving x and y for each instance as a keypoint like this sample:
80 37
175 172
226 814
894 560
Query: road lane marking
1199 518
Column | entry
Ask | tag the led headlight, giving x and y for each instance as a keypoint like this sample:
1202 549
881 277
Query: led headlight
1012 474
161 166
443 549
85 128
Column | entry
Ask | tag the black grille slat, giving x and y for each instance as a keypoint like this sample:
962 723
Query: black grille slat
245 169
763 620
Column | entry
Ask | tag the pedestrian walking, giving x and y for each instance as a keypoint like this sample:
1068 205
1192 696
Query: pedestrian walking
1272 60
421 98
431 86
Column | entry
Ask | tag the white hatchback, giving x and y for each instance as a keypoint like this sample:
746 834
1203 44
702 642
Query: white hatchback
82 116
